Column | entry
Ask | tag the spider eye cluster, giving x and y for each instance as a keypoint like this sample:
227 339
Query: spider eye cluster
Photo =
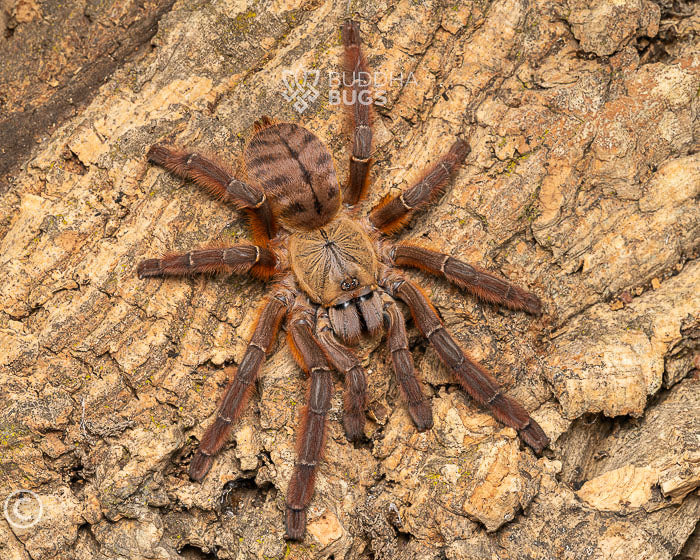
349 284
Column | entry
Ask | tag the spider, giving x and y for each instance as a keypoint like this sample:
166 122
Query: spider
334 278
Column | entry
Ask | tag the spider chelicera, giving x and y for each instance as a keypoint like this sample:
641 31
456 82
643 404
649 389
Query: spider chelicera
334 276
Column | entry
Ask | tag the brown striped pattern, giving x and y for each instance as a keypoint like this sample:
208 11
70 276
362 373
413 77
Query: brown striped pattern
356 72
471 375
477 281
391 214
296 170
239 388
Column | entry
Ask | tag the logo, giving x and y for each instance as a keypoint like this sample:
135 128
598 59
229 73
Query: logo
363 88
23 509
301 88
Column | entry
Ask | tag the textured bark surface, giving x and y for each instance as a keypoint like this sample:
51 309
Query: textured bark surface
582 185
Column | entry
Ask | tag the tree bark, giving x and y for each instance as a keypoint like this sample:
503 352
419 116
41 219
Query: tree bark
582 186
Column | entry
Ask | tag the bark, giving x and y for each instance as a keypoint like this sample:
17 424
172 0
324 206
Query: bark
582 185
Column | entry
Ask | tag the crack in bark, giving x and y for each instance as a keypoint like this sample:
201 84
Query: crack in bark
21 129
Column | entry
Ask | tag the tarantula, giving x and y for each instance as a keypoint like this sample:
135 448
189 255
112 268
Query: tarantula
334 277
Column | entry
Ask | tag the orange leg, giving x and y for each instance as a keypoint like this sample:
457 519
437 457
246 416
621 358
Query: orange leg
221 184
392 213
239 389
356 72
312 433
471 375
238 259
418 405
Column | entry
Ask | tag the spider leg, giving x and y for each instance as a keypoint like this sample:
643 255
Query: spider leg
238 259
471 375
345 361
477 281
220 183
239 388
355 69
418 405
308 353
392 213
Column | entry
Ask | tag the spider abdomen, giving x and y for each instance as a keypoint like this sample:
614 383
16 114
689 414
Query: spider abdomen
296 170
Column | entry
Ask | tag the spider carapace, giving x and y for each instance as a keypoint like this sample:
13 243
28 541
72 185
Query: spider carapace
334 275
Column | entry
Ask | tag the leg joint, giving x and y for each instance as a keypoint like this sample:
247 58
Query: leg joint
444 263
263 200
257 345
359 160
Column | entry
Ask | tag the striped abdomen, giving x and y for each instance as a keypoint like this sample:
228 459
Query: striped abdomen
296 172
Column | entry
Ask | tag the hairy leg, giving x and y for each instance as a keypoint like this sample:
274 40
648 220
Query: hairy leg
477 281
220 183
308 353
392 213
471 375
239 388
355 70
344 360
238 259
418 404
